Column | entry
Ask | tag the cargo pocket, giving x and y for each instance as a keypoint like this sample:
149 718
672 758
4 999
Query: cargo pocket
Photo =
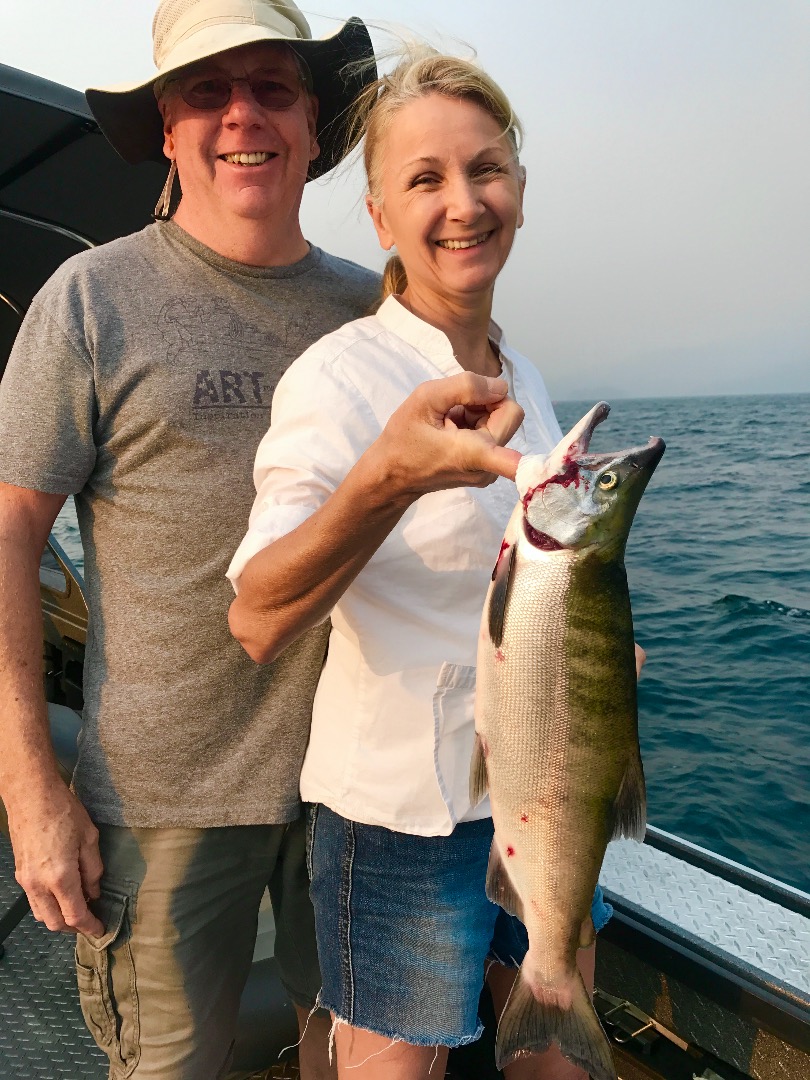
453 705
111 1018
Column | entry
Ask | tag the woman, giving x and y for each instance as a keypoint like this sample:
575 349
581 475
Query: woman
378 504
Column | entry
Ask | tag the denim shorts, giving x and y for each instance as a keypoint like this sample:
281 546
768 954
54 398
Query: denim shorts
404 927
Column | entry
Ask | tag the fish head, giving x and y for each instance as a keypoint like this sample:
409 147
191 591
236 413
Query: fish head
573 499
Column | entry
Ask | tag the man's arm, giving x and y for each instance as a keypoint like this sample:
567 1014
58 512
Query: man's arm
448 433
55 843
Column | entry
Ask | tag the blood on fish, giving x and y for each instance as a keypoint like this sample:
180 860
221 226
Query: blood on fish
510 851
524 818
504 547
499 656
540 539
568 475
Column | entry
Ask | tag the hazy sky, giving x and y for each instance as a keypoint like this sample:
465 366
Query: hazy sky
666 248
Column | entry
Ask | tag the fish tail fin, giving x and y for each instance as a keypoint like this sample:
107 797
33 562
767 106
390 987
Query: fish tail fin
565 1016
630 806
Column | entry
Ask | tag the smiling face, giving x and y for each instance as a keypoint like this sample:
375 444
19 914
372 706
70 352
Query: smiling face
450 199
242 160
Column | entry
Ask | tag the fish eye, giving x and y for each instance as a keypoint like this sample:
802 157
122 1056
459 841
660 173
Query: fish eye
608 480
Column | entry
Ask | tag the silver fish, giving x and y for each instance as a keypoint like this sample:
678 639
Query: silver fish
556 726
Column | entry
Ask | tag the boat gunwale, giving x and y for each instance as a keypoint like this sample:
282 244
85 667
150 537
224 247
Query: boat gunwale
753 881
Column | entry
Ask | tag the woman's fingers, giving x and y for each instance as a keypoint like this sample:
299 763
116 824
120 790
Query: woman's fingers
466 389
503 420
498 461
450 433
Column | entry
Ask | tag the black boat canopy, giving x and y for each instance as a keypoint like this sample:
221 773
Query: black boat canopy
62 189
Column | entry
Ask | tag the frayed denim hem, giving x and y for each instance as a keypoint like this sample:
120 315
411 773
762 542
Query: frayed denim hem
299 1000
434 1039
505 961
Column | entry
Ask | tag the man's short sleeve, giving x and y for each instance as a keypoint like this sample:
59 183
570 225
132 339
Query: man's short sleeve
320 425
47 407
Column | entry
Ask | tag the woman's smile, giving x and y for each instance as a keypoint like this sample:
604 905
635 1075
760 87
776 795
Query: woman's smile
462 245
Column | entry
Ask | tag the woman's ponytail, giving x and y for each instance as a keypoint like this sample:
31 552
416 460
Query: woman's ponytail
395 280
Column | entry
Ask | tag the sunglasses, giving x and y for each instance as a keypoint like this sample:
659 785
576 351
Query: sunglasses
211 92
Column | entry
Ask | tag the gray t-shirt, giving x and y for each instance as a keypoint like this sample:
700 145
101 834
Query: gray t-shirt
141 382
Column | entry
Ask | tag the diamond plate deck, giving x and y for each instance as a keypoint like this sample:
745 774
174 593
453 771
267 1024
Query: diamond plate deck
42 1033
756 933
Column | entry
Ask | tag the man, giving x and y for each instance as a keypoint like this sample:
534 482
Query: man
141 383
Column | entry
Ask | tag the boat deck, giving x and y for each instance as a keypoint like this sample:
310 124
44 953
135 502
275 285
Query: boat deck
761 949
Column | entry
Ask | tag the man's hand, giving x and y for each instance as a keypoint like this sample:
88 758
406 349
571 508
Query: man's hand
451 433
57 860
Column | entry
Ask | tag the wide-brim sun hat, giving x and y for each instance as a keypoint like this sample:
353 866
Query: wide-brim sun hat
185 31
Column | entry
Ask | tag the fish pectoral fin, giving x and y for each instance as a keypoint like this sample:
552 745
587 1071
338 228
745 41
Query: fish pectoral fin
532 1021
498 596
500 889
479 785
630 806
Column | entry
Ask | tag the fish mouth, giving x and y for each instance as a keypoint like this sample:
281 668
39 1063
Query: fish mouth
535 472
640 457
580 435
649 456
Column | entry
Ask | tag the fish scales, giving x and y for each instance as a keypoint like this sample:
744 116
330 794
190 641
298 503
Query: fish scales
546 734
557 741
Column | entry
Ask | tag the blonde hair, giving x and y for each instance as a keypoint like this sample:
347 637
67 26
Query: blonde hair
420 72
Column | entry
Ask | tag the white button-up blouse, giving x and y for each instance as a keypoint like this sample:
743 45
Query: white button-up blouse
392 726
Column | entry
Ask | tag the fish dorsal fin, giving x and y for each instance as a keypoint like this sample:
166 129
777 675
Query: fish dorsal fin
630 805
479 785
499 593
500 889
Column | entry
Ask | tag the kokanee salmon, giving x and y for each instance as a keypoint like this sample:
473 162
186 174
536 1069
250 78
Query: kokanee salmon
557 735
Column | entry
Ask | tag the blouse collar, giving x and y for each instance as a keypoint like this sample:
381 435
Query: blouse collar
427 339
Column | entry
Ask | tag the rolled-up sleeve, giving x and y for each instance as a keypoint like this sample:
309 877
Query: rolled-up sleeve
320 425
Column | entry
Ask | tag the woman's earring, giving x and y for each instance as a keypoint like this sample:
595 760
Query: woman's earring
165 200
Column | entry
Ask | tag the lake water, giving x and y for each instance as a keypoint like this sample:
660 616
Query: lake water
719 569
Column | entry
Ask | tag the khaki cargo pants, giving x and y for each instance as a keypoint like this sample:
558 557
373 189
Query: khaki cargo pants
160 990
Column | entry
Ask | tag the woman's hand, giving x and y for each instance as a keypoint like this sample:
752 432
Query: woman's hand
449 433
